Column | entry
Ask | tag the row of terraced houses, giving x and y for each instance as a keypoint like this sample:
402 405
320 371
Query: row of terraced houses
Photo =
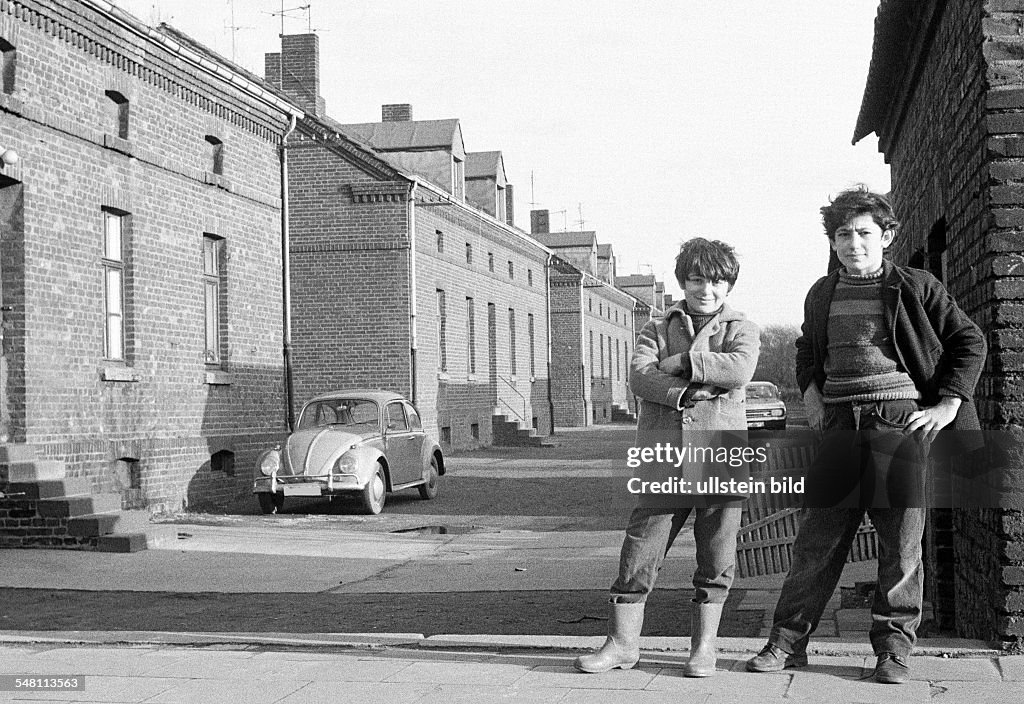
191 251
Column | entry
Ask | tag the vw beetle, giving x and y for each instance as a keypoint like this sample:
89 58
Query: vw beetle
359 442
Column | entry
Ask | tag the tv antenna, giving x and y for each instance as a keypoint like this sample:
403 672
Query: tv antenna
581 221
233 28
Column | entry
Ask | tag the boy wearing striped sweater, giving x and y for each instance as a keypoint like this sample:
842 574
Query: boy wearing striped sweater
886 360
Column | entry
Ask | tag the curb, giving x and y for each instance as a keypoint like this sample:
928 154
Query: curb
937 647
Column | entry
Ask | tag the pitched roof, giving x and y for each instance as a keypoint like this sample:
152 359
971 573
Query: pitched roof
402 136
898 23
483 164
604 251
554 240
635 280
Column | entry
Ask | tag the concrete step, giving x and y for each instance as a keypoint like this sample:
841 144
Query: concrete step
32 471
81 505
155 536
15 452
96 524
50 488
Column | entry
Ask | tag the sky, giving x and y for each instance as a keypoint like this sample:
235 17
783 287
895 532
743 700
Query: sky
648 121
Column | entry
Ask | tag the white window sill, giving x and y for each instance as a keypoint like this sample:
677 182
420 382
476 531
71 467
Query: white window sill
218 378
115 373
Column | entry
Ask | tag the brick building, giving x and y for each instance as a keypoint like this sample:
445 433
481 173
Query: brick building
594 326
141 255
945 94
406 272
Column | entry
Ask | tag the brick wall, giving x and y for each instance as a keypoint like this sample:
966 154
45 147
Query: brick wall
164 400
958 186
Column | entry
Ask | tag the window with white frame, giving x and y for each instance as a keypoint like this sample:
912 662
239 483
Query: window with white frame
533 358
442 331
113 285
213 294
471 335
512 340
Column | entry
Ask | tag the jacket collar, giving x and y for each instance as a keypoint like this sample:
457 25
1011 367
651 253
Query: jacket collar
726 315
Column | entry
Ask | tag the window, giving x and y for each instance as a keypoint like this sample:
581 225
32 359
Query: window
458 178
591 354
511 270
469 253
223 461
616 315
216 154
590 305
471 335
618 362
600 343
474 430
529 277
533 359
600 308
442 331
512 339
440 242
414 418
214 288
394 418
120 111
113 284
7 61
490 262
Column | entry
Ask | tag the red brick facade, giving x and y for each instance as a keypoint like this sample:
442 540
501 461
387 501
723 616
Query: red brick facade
947 102
106 120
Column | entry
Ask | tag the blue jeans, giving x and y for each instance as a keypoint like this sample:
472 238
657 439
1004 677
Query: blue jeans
826 535
650 534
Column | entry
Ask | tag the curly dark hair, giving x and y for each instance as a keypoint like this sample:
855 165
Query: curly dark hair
713 260
859 200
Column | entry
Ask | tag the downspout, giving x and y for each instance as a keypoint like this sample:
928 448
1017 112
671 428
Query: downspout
414 344
286 279
547 313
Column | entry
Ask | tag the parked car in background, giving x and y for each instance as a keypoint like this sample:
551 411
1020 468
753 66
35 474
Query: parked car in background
359 442
765 407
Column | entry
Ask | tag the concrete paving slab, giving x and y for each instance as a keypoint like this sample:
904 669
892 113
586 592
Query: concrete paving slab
487 694
762 688
566 677
108 689
496 673
931 668
1012 667
596 696
211 691
362 692
817 687
335 669
944 692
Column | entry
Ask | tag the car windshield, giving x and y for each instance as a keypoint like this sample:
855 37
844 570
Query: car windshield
339 411
761 391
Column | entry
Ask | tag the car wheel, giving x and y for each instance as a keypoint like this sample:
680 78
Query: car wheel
429 490
270 503
375 492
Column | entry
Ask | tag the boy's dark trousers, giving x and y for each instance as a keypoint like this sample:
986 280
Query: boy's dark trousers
864 464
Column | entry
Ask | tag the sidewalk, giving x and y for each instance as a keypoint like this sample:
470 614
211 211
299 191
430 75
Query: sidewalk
195 669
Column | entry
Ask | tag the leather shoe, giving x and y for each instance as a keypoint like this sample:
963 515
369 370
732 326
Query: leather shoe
772 658
891 669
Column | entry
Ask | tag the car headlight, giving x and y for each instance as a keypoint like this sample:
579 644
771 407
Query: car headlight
778 412
346 464
270 462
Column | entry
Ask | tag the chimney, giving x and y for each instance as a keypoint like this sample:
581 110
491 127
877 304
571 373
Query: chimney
510 212
396 112
539 224
300 78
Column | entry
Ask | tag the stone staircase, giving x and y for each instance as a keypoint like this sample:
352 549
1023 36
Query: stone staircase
622 414
512 432
41 507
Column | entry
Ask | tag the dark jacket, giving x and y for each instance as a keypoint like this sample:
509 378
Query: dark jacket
941 348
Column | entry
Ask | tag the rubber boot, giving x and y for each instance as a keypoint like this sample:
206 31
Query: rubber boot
704 620
622 647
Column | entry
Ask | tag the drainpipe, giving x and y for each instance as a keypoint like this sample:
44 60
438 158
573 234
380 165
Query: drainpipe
414 343
547 313
286 280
